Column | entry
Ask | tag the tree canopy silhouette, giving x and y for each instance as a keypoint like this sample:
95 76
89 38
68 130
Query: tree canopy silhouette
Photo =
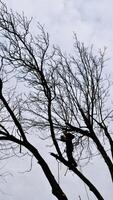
64 96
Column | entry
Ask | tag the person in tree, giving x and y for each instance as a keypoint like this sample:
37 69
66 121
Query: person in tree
67 138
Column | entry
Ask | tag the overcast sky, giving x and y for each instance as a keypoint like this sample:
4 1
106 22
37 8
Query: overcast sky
92 20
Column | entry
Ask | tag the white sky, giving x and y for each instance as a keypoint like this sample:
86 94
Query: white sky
92 20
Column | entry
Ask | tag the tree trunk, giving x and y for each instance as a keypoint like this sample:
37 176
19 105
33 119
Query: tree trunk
56 190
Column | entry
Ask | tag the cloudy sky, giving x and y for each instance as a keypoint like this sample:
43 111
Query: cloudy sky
92 20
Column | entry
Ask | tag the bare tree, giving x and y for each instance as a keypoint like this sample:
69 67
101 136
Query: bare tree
66 97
